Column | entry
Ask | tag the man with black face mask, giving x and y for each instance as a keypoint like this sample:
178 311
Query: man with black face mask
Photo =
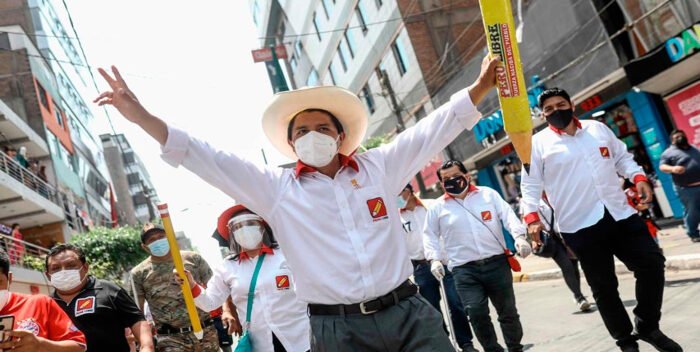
469 220
577 164
682 161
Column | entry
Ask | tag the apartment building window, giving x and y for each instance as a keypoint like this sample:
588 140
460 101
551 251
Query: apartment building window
400 56
133 179
293 62
350 41
361 16
256 13
318 34
43 97
327 4
59 117
368 98
298 47
341 57
332 73
312 80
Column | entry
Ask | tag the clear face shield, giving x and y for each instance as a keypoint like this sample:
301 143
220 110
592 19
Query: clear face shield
245 233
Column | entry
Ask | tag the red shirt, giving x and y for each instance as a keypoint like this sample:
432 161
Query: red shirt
41 315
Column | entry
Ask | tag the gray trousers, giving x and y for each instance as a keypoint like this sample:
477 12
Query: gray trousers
411 325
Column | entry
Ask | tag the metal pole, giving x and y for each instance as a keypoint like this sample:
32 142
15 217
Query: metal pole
400 127
447 315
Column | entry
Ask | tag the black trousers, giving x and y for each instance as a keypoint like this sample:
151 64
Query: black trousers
628 240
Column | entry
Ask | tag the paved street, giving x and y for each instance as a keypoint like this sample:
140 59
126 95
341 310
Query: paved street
552 323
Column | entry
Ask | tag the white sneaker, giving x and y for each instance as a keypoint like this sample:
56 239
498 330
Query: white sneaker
583 305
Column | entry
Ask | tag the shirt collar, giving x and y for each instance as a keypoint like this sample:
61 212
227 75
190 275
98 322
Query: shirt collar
471 189
560 131
302 168
418 204
265 249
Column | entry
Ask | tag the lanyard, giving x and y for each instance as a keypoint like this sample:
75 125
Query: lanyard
251 290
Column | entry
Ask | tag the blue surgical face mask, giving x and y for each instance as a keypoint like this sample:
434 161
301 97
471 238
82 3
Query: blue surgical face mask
159 248
400 202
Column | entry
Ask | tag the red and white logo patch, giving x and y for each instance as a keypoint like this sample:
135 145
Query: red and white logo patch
377 208
29 325
605 152
85 306
282 282
486 215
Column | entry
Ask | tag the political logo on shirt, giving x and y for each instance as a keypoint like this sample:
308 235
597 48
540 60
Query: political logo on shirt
85 306
30 325
486 215
377 209
605 152
282 282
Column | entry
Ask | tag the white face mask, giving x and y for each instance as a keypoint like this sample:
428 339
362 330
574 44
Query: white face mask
316 149
4 296
66 280
248 237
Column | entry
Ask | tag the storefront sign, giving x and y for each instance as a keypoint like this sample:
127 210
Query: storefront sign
684 44
684 106
591 103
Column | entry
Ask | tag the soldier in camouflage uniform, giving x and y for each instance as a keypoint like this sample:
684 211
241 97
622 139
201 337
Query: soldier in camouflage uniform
153 282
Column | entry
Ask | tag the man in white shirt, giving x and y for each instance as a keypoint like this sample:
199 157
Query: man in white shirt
577 164
469 220
330 212
413 214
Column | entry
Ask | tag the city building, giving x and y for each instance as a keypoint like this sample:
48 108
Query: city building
135 196
630 64
45 85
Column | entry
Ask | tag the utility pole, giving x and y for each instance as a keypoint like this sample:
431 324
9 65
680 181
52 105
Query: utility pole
388 90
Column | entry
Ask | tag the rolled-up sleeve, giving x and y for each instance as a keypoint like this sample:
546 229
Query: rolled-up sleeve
255 187
412 149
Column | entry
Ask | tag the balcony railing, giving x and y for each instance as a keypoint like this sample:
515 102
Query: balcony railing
22 253
28 178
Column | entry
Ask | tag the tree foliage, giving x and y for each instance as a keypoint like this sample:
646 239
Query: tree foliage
376 141
111 252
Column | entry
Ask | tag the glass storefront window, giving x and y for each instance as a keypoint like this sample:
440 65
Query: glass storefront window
659 25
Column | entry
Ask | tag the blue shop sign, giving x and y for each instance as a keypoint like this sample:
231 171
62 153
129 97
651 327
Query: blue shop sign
493 123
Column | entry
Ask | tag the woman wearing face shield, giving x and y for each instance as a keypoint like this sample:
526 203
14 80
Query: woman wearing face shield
278 321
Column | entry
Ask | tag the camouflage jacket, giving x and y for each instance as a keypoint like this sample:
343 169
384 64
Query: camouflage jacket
155 283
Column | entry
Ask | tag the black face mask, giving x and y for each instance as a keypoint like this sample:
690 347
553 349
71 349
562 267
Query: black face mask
456 185
560 118
682 142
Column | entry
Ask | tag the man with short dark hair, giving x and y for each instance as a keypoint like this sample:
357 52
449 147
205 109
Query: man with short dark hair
470 220
39 323
153 282
413 214
99 308
682 161
577 164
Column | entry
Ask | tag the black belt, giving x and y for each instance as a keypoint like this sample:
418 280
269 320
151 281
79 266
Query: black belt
405 290
167 329
418 262
486 260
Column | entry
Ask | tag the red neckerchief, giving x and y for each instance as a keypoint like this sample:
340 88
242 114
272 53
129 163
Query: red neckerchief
265 249
418 203
344 161
470 189
560 131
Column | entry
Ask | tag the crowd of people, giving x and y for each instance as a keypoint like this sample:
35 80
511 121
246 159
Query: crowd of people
322 254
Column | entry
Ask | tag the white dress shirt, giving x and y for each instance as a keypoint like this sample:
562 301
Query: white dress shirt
579 173
467 238
276 308
413 222
339 238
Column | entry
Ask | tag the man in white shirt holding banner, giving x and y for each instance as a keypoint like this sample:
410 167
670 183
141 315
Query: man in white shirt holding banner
330 212
577 164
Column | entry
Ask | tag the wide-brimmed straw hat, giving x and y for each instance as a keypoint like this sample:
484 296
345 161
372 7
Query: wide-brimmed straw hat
340 102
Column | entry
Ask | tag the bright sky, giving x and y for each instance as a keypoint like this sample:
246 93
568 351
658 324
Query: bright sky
190 64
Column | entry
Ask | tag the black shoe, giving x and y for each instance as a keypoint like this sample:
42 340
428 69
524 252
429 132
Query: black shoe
468 347
660 341
695 239
630 348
